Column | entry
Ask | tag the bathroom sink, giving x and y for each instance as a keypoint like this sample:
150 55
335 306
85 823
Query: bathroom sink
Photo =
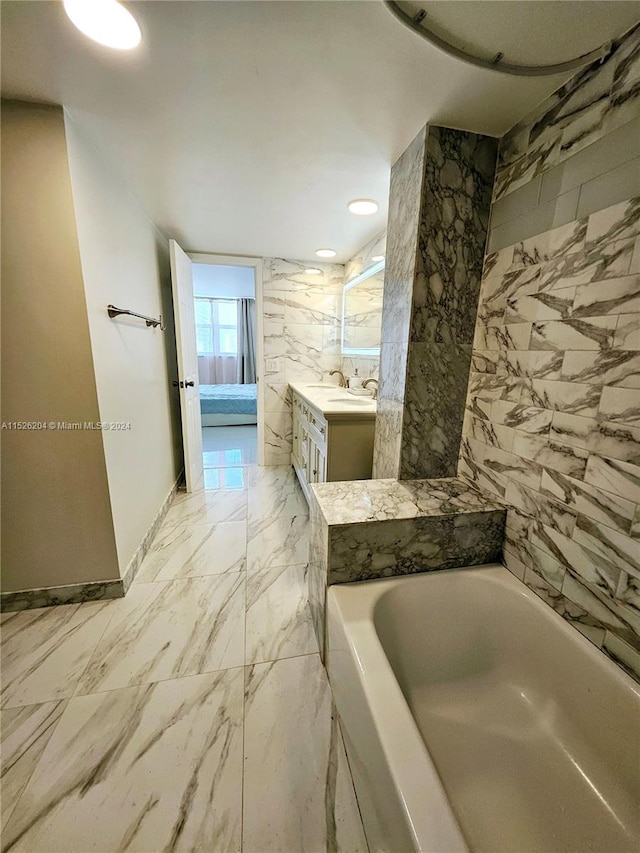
349 401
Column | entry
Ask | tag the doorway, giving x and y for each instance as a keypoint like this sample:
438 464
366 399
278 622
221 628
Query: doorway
228 332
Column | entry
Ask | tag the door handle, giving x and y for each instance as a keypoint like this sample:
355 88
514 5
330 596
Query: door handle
177 384
189 384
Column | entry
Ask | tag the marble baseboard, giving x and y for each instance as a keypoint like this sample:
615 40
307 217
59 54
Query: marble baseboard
80 593
149 536
77 593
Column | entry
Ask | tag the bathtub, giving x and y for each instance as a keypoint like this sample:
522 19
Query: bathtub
476 719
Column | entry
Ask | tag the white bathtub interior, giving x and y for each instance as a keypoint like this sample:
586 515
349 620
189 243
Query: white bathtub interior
534 734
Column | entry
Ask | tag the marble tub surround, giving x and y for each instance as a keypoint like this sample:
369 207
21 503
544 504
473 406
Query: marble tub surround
194 713
301 340
591 105
552 421
439 210
394 500
552 424
380 528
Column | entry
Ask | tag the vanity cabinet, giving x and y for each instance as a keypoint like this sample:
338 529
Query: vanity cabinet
330 446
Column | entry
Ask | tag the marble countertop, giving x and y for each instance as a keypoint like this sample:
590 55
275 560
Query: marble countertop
386 500
332 400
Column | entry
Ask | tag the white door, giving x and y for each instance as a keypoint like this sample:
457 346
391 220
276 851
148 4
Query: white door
183 312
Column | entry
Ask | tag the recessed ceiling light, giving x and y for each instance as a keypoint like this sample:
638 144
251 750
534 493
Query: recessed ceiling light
325 253
105 21
313 271
363 206
377 258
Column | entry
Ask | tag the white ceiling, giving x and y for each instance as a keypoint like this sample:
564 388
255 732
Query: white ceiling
246 127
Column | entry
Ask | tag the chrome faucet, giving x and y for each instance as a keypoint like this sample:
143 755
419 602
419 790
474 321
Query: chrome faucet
343 381
375 390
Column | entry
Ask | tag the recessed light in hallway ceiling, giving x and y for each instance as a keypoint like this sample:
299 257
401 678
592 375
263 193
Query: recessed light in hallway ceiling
363 206
104 21
325 253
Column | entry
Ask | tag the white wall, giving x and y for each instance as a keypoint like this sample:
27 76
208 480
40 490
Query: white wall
125 262
223 282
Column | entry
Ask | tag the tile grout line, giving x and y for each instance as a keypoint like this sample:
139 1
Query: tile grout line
66 701
108 623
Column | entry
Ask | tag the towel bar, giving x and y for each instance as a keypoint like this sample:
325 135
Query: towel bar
150 321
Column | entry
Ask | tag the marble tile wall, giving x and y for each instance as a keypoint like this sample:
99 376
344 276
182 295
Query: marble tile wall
574 154
552 424
439 211
553 417
363 258
301 340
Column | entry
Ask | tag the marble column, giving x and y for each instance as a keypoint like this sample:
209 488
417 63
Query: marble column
439 203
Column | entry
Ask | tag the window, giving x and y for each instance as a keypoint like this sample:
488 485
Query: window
216 326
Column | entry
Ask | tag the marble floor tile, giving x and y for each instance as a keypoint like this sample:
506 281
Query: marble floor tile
45 651
229 446
283 500
224 479
272 475
195 550
24 734
142 769
298 794
278 619
277 542
171 629
207 507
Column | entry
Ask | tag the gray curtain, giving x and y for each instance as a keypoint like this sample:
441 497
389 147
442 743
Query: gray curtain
246 371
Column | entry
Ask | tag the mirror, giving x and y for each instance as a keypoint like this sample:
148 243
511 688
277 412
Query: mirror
362 312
